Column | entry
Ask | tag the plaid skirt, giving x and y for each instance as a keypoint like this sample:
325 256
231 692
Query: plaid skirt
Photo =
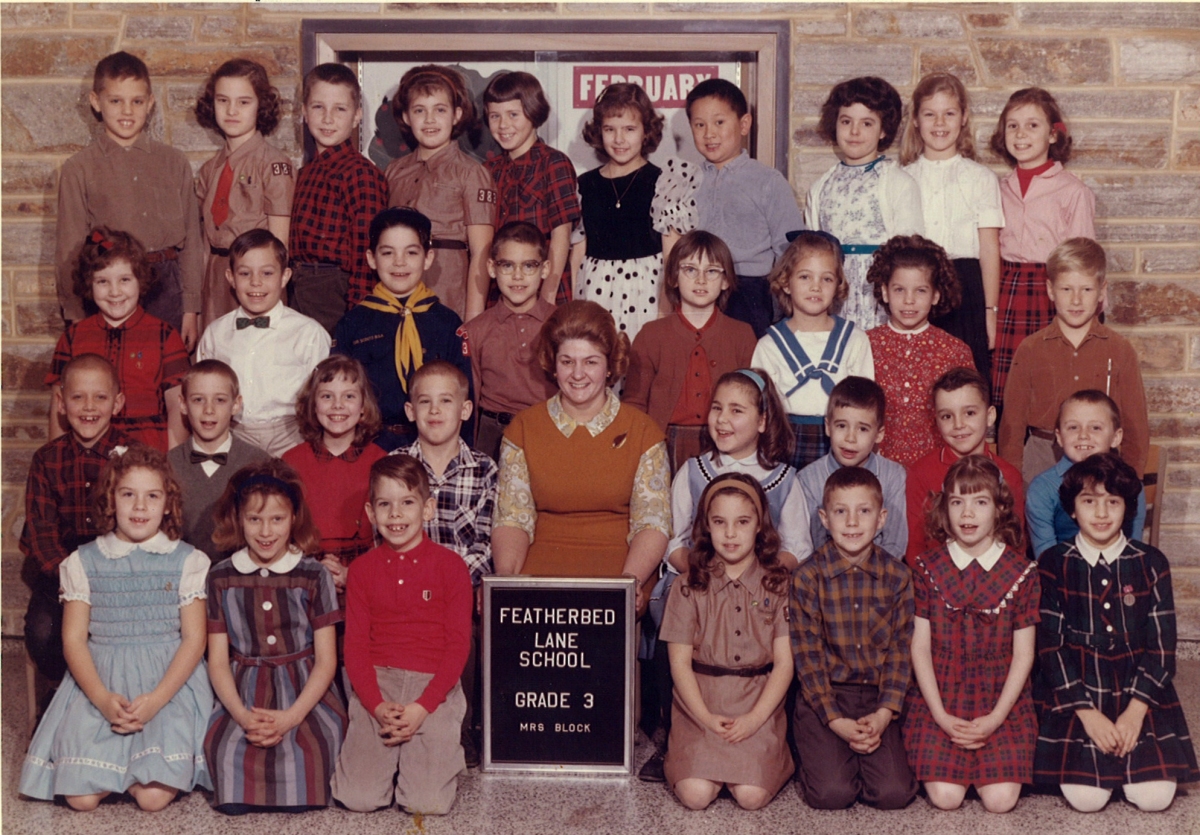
811 442
1025 308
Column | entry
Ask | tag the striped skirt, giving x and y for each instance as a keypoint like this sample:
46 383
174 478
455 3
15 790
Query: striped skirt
1025 308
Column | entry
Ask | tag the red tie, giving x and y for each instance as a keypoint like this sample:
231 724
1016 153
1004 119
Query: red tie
220 206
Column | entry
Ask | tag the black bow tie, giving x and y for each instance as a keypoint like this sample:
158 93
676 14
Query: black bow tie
220 458
258 321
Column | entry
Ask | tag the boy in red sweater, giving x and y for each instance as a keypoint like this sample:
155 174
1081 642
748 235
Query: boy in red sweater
408 630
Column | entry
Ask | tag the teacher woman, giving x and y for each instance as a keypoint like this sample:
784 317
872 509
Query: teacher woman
584 481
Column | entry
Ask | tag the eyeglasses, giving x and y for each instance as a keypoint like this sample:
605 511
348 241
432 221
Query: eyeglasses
710 273
528 268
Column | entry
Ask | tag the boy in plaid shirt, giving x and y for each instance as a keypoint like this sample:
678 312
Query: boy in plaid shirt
852 623
58 497
463 483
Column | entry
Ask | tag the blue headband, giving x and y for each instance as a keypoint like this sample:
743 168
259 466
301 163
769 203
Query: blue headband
755 377
269 481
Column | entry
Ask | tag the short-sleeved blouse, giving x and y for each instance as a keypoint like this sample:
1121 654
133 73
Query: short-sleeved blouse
74 581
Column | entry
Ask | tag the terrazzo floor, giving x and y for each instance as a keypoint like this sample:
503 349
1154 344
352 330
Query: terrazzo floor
492 805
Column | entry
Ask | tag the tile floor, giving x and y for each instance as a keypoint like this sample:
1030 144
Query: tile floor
491 805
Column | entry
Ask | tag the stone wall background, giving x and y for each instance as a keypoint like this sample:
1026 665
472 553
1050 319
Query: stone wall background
1127 75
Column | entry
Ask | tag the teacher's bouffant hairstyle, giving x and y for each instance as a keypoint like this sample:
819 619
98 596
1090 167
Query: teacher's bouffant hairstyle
583 320
251 486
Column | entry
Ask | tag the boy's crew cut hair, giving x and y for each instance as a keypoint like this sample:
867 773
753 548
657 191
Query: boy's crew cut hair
1094 397
402 468
1078 255
256 483
1060 148
845 478
911 144
328 370
138 456
871 92
90 362
857 393
705 244
777 443
1103 469
722 90
400 216
587 320
969 475
426 80
917 252
104 247
520 232
118 67
617 99
332 74
214 367
267 118
961 377
802 244
440 368
257 239
523 87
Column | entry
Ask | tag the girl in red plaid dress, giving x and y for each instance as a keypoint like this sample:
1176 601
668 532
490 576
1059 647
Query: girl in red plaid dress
971 720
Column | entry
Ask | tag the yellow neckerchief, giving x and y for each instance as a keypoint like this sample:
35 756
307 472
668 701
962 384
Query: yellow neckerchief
409 353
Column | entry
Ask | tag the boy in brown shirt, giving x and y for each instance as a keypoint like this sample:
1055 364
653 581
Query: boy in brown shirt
125 180
1073 353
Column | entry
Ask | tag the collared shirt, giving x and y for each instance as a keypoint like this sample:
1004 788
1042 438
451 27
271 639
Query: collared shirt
751 207
892 477
539 187
450 188
337 487
851 624
648 504
959 197
146 189
1049 523
691 407
465 494
503 363
1092 555
1056 207
272 363
987 560
810 399
411 611
245 564
74 580
263 184
1047 369
337 196
58 498
149 358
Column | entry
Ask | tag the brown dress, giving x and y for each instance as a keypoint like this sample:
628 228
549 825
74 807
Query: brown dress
732 624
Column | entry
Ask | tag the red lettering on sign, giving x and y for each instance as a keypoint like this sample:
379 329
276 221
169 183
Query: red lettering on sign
667 86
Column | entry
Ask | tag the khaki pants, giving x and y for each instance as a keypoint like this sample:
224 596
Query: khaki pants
274 437
1040 455
421 774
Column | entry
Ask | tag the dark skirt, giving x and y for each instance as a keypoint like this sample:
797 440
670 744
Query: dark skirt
969 320
683 442
1025 308
811 444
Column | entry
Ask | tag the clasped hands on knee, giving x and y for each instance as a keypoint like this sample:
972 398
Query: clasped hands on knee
864 734
399 723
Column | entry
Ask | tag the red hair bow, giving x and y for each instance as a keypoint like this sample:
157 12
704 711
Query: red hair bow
97 238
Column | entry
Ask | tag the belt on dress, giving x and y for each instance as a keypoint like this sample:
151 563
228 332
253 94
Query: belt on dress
859 249
1102 640
221 251
445 243
160 255
806 420
502 418
740 672
271 660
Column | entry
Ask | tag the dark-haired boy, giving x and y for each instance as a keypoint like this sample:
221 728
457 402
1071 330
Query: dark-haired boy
125 180
851 689
337 194
58 497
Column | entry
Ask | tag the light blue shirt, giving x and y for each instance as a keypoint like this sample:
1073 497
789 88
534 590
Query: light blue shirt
751 207
1049 523
893 538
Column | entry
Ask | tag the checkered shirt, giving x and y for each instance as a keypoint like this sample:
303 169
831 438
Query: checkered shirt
539 187
338 194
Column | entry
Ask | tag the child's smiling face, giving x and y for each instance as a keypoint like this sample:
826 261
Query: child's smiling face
116 290
910 297
89 399
510 127
1099 515
124 105
331 114
258 280
717 130
963 419
399 513
972 520
210 405
431 117
400 260
339 406
267 526
1028 135
139 504
1085 429
853 516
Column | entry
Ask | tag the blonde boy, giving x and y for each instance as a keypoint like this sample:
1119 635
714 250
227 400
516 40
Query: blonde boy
1074 352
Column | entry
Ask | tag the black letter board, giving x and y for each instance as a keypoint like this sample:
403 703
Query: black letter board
558 674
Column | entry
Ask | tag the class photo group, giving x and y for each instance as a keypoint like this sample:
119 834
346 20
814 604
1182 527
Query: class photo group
876 464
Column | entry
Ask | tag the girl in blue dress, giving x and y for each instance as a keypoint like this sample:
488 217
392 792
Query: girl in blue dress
131 713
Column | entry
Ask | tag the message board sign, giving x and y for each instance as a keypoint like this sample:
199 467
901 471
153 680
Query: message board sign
558 674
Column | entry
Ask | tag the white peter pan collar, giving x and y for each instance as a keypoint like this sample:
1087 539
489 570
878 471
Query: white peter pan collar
245 564
113 548
915 332
987 560
1092 554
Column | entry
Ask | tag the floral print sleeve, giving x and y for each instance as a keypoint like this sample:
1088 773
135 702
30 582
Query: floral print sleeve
650 503
514 500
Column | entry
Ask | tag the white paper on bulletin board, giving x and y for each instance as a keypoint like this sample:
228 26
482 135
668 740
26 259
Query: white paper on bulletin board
571 88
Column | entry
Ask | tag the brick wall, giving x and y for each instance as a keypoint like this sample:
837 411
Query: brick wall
1127 75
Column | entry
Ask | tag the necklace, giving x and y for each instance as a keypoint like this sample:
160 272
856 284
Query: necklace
621 196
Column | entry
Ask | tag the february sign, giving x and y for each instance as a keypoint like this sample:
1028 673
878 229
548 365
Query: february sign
667 86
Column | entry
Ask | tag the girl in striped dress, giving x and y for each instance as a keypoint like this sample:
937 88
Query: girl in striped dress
272 648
